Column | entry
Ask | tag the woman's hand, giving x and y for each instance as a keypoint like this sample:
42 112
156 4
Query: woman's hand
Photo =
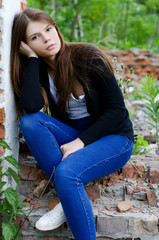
71 147
26 50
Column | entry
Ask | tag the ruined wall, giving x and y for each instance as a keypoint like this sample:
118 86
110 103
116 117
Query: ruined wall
8 123
141 61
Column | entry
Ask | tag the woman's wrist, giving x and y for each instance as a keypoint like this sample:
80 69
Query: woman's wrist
80 142
33 55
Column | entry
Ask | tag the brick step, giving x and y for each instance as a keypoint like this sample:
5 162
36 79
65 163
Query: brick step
110 224
139 223
121 184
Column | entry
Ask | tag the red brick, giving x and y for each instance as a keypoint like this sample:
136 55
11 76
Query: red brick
93 192
148 68
1 151
1 132
136 190
0 3
151 198
143 61
127 54
110 224
23 5
40 188
1 115
154 172
124 206
130 172
143 52
128 61
29 173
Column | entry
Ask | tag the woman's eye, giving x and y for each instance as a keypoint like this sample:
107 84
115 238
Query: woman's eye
49 28
35 37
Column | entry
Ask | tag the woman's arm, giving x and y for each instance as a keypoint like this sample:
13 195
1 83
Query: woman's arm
31 99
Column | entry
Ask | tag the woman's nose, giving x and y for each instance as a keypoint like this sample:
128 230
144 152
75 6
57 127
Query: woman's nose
46 38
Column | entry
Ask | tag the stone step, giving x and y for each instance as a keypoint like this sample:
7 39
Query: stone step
110 224
139 223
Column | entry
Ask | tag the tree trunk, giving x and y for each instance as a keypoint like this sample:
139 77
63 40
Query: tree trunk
152 40
74 24
118 25
126 23
81 33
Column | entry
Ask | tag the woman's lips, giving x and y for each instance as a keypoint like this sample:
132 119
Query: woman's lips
51 46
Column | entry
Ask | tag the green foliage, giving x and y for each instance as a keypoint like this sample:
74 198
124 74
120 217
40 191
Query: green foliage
123 82
10 207
140 146
9 231
150 92
113 24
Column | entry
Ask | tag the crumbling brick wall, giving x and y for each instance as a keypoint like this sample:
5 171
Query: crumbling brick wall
8 116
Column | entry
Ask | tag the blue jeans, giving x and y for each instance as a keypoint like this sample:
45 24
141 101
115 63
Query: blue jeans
44 135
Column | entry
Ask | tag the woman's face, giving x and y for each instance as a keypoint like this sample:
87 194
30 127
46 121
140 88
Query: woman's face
43 38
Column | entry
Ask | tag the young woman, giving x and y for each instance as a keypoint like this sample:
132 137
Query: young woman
88 133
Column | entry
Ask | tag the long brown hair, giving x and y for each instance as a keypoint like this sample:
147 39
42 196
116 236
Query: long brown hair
70 55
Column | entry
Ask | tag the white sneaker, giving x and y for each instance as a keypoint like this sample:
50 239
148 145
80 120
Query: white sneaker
51 220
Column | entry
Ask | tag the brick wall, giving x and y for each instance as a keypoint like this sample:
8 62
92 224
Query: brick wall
8 116
141 61
1 93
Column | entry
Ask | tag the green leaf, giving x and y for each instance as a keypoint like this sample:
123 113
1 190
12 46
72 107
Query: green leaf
14 162
19 204
3 174
2 184
151 124
12 197
14 175
5 145
144 85
8 230
18 237
4 212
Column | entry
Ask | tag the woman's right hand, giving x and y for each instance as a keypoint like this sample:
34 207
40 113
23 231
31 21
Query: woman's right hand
26 50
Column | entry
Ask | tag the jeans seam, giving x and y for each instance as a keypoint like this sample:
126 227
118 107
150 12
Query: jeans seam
84 207
94 165
59 129
53 138
107 160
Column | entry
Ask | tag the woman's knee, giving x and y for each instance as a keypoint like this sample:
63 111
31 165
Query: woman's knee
64 177
29 121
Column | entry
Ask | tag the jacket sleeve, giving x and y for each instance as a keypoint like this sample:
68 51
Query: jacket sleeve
31 99
114 115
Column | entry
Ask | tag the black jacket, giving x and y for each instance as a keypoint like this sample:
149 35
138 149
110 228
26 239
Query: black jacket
105 101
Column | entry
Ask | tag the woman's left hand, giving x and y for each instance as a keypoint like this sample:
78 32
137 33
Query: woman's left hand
71 147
